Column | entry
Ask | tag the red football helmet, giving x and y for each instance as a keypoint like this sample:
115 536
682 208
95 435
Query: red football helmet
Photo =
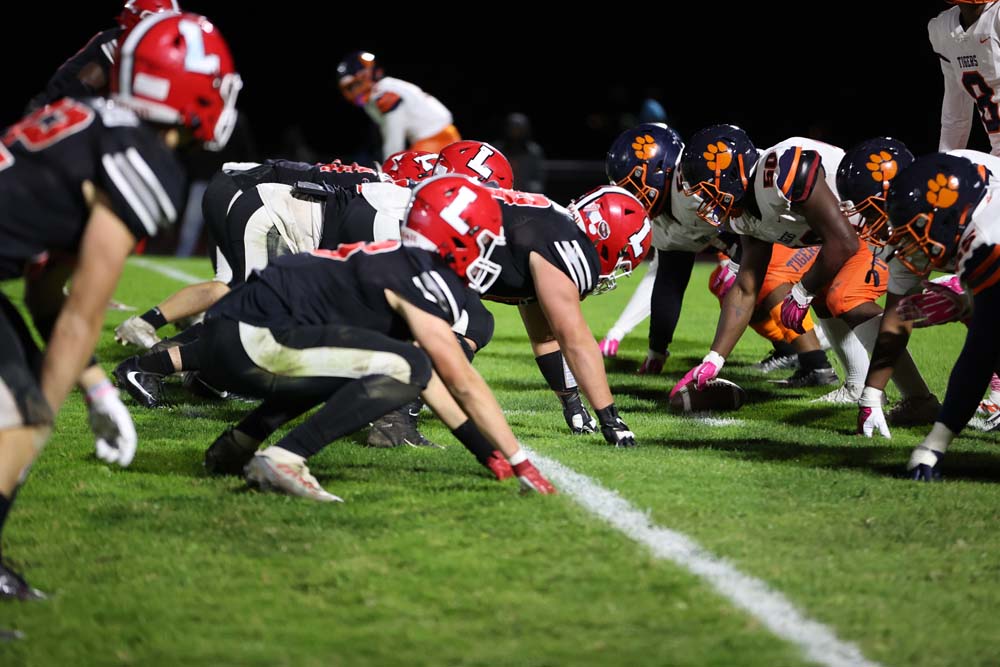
136 10
478 160
176 69
459 219
408 166
356 74
619 228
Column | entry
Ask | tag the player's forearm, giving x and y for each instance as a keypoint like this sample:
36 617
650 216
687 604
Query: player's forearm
829 261
893 336
737 309
585 361
477 401
192 300
73 340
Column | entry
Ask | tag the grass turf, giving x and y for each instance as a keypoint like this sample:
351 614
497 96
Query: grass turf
430 562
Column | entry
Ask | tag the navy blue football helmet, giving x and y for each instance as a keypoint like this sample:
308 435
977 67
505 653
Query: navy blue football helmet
863 178
642 161
715 167
929 205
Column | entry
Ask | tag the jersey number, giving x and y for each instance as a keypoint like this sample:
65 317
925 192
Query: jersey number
44 127
517 198
770 165
983 95
345 250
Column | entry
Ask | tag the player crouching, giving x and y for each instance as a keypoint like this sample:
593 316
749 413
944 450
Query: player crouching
336 329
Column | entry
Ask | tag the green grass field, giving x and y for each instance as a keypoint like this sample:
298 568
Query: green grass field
429 562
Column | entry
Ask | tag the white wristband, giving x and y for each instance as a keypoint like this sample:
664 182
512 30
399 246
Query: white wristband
715 358
802 296
870 398
517 457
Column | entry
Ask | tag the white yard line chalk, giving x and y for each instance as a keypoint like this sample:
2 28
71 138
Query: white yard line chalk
819 642
168 271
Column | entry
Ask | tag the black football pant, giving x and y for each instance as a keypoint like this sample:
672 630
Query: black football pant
355 375
672 276
21 400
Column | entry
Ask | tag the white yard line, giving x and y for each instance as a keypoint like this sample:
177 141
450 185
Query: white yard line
819 642
168 271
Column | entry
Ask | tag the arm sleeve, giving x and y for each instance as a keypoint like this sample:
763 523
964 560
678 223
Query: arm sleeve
975 365
956 110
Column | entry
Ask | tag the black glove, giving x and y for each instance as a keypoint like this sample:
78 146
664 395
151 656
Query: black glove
615 431
577 417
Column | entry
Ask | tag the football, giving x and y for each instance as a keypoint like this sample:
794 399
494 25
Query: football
718 394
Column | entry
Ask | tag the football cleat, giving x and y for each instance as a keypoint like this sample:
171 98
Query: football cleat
136 331
847 393
399 427
532 480
146 388
776 362
14 587
816 377
653 363
284 472
499 466
194 383
925 473
227 455
914 411
987 409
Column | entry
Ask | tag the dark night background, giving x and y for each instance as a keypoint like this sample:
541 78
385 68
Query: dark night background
841 71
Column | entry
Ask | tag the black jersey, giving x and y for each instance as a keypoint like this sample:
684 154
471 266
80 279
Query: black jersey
290 172
346 286
99 51
533 223
47 157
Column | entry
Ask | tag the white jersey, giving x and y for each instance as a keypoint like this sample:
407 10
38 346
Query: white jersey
903 281
777 179
404 114
970 63
978 258
680 228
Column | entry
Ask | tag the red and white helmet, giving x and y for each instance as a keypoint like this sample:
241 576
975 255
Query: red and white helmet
478 160
136 10
619 228
459 219
176 69
406 166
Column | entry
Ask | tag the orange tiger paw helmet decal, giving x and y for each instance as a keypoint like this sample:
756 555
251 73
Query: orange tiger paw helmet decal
882 166
942 191
644 147
719 156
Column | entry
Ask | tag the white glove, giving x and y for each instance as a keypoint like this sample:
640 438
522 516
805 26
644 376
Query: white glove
111 423
870 415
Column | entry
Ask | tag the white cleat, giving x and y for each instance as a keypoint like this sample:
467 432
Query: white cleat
278 470
776 362
136 331
847 393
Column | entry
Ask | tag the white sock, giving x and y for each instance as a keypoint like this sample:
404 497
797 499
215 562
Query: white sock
853 355
638 307
824 339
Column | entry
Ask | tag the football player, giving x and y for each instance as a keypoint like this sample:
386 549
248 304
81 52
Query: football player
941 208
864 176
553 259
407 117
87 73
86 179
336 328
967 40
409 167
788 198
221 195
643 161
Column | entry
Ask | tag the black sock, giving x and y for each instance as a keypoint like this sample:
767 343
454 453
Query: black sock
783 349
554 371
154 317
816 359
190 355
5 504
157 362
474 441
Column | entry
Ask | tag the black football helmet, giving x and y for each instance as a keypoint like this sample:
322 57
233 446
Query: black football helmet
929 205
863 179
642 161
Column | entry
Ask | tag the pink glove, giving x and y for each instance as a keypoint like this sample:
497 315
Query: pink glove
723 279
943 300
707 370
609 347
653 363
795 307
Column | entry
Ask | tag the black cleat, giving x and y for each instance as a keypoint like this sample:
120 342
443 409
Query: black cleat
399 427
226 456
816 377
925 473
14 587
146 388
